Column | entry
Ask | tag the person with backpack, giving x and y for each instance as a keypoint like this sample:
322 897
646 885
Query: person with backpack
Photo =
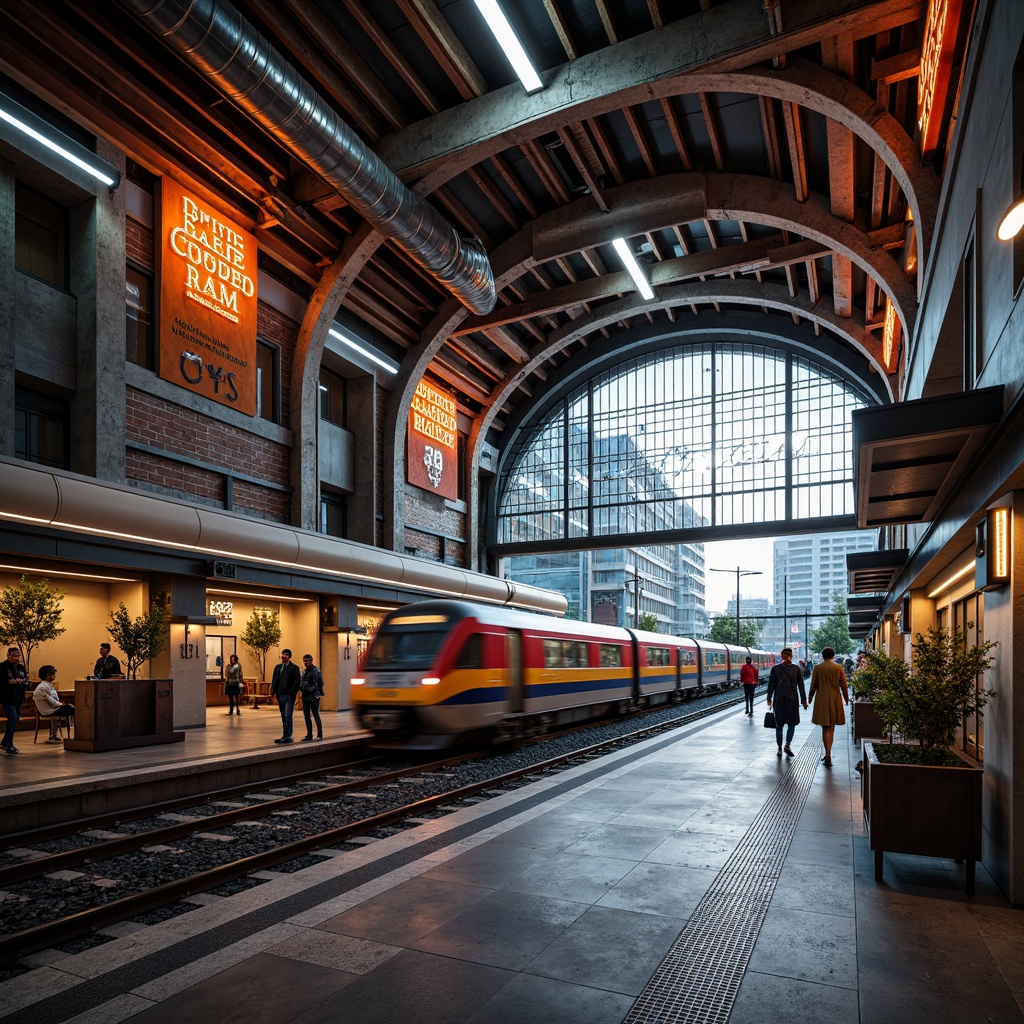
312 691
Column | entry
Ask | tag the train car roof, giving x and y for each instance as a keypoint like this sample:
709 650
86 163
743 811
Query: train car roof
497 615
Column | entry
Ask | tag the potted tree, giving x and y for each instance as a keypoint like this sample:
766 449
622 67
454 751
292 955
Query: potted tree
923 797
139 639
30 614
262 631
866 683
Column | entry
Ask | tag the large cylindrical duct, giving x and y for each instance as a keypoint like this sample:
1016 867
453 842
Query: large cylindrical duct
217 40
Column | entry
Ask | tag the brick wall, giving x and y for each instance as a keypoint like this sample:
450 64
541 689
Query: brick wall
157 423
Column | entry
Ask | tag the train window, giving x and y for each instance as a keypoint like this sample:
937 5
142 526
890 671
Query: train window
611 655
405 648
565 654
687 657
658 656
471 655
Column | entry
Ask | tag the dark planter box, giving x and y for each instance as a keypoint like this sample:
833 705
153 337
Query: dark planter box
865 721
924 810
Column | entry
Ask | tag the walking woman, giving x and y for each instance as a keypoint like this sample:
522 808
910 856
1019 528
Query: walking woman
827 680
233 686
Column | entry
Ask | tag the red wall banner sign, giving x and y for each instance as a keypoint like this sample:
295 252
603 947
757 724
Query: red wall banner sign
432 442
207 301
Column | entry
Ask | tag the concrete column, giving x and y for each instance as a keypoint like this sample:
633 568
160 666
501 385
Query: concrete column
7 306
362 416
98 282
184 658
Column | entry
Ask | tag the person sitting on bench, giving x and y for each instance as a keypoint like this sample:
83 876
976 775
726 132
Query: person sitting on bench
49 704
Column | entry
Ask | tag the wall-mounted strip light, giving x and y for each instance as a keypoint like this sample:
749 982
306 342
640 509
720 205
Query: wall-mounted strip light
510 44
630 263
363 350
263 597
29 570
955 578
57 142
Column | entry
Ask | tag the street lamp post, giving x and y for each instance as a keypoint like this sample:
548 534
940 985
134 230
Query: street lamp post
739 572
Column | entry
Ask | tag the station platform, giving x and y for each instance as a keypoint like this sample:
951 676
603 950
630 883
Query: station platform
692 877
45 783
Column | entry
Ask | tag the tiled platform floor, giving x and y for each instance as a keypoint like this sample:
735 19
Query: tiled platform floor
556 903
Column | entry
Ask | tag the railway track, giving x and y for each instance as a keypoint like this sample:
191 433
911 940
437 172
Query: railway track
270 830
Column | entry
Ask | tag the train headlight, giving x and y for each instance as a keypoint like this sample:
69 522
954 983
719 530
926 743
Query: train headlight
430 680
356 681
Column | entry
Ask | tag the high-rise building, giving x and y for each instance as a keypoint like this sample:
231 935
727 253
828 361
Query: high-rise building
808 571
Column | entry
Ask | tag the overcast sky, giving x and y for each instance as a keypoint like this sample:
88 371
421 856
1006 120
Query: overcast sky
728 554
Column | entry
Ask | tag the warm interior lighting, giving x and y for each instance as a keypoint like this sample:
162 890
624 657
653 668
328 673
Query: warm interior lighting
1012 221
419 620
363 350
12 113
630 263
264 597
955 578
510 44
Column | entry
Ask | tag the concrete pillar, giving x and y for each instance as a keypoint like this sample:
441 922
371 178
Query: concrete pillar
362 416
338 653
98 283
184 658
7 307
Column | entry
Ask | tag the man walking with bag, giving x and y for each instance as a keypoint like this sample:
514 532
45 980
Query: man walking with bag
786 686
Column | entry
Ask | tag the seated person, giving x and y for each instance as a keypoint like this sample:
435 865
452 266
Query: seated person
107 666
48 703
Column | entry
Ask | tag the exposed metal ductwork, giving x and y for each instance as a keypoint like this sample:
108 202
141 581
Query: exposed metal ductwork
217 40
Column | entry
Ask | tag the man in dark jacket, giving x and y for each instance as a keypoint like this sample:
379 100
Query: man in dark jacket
285 685
786 686
13 682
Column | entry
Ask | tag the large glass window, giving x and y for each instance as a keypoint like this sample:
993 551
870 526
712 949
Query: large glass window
41 428
689 437
40 237
333 515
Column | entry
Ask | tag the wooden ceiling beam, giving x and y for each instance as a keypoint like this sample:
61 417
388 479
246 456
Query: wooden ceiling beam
322 30
711 124
797 157
443 44
383 42
561 27
637 131
582 165
604 12
515 185
676 131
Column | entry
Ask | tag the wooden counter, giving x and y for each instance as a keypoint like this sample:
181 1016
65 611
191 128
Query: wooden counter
111 714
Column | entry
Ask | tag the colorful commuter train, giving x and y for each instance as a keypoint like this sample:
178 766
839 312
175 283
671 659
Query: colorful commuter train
438 670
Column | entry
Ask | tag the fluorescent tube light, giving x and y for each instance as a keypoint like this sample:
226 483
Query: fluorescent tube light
363 351
509 42
11 113
630 263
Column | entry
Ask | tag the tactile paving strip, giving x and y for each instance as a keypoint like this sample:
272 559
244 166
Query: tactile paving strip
698 980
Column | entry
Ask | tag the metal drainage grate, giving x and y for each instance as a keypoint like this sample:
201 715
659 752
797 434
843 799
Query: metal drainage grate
699 978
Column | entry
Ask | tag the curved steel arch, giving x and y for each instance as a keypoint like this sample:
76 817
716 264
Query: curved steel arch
794 488
734 325
460 139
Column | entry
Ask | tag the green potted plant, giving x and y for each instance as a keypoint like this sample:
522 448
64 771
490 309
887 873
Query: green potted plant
924 797
262 631
139 639
30 614
866 683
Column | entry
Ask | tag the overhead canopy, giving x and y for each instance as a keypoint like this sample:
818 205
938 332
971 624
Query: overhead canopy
874 572
910 457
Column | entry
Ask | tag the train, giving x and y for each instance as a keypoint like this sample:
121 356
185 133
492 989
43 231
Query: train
439 671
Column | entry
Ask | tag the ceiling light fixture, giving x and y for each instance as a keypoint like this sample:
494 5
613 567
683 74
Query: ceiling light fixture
630 263
363 351
37 129
955 578
510 44
91 576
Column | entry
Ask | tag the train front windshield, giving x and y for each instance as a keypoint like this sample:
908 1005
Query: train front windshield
412 649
